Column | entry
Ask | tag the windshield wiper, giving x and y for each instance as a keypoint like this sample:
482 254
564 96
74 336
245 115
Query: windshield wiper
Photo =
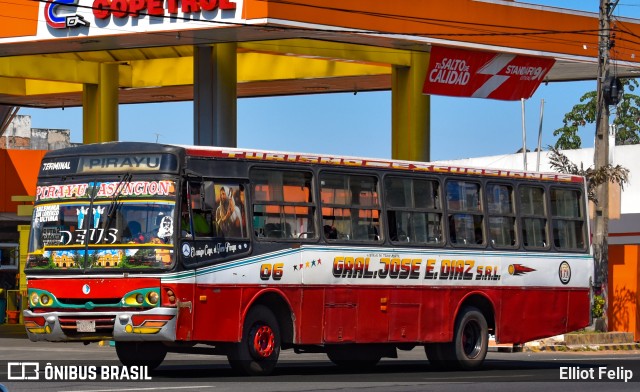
115 205
113 208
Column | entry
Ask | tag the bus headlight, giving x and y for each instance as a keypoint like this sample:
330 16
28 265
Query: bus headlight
152 297
44 299
35 299
146 297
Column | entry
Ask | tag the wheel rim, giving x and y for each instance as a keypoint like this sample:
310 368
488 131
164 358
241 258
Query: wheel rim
264 341
472 339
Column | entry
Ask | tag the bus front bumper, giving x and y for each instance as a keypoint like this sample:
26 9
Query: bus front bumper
158 324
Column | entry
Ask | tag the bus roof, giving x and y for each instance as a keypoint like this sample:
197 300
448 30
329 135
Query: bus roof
306 158
350 161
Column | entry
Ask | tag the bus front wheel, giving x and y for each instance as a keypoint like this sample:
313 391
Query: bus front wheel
258 351
150 354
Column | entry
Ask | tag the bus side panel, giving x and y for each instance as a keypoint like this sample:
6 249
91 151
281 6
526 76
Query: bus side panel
308 326
436 315
530 314
404 315
578 300
184 293
217 313
373 314
340 315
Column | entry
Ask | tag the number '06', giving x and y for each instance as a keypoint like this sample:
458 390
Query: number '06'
271 271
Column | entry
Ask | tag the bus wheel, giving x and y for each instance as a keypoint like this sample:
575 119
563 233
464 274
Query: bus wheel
353 357
257 353
149 354
471 339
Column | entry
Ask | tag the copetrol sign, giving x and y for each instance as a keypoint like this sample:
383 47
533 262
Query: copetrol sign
102 9
97 14
57 16
465 73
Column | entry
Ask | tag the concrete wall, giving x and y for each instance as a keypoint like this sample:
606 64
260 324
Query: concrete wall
17 134
20 136
50 139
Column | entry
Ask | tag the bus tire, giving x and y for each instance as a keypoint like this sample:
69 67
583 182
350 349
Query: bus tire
149 354
471 339
259 348
352 357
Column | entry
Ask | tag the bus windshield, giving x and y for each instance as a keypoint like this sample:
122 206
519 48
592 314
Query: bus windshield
121 224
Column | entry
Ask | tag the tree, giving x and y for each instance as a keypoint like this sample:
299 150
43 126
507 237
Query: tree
616 174
627 119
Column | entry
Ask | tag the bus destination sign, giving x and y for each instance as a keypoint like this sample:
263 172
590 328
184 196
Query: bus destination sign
98 164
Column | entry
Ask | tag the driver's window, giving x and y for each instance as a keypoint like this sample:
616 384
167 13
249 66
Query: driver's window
197 211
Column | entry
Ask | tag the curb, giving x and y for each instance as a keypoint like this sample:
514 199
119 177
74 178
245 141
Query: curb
585 347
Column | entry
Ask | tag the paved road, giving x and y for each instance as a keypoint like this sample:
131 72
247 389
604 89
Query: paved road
313 372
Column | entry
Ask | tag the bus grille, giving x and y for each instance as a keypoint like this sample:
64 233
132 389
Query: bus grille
104 325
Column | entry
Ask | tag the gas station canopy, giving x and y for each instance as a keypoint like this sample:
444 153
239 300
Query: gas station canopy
50 50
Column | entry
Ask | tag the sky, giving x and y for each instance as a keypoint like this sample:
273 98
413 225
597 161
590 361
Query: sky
360 124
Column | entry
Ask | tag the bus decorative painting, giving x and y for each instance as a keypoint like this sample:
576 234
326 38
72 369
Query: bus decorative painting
353 257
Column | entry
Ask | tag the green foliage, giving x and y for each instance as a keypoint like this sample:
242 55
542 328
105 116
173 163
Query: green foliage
626 121
616 174
597 308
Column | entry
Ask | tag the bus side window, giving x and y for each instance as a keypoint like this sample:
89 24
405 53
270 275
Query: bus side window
466 218
414 212
568 222
283 205
533 216
502 219
350 207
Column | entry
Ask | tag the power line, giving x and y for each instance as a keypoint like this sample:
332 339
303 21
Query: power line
483 29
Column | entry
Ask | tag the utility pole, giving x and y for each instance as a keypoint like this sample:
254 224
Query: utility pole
601 151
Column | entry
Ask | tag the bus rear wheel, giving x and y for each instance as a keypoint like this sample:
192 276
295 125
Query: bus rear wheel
149 354
258 351
470 343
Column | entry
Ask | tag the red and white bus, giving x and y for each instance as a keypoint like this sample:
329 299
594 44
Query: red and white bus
243 253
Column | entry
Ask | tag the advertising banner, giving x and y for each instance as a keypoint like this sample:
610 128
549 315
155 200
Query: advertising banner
466 73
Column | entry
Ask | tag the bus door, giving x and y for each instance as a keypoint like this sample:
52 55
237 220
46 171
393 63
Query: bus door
215 231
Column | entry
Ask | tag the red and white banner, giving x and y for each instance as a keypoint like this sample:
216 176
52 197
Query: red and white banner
466 73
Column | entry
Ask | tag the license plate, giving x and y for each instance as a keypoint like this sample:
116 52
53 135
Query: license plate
86 325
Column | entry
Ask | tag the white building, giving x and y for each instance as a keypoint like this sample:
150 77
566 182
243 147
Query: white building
625 230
